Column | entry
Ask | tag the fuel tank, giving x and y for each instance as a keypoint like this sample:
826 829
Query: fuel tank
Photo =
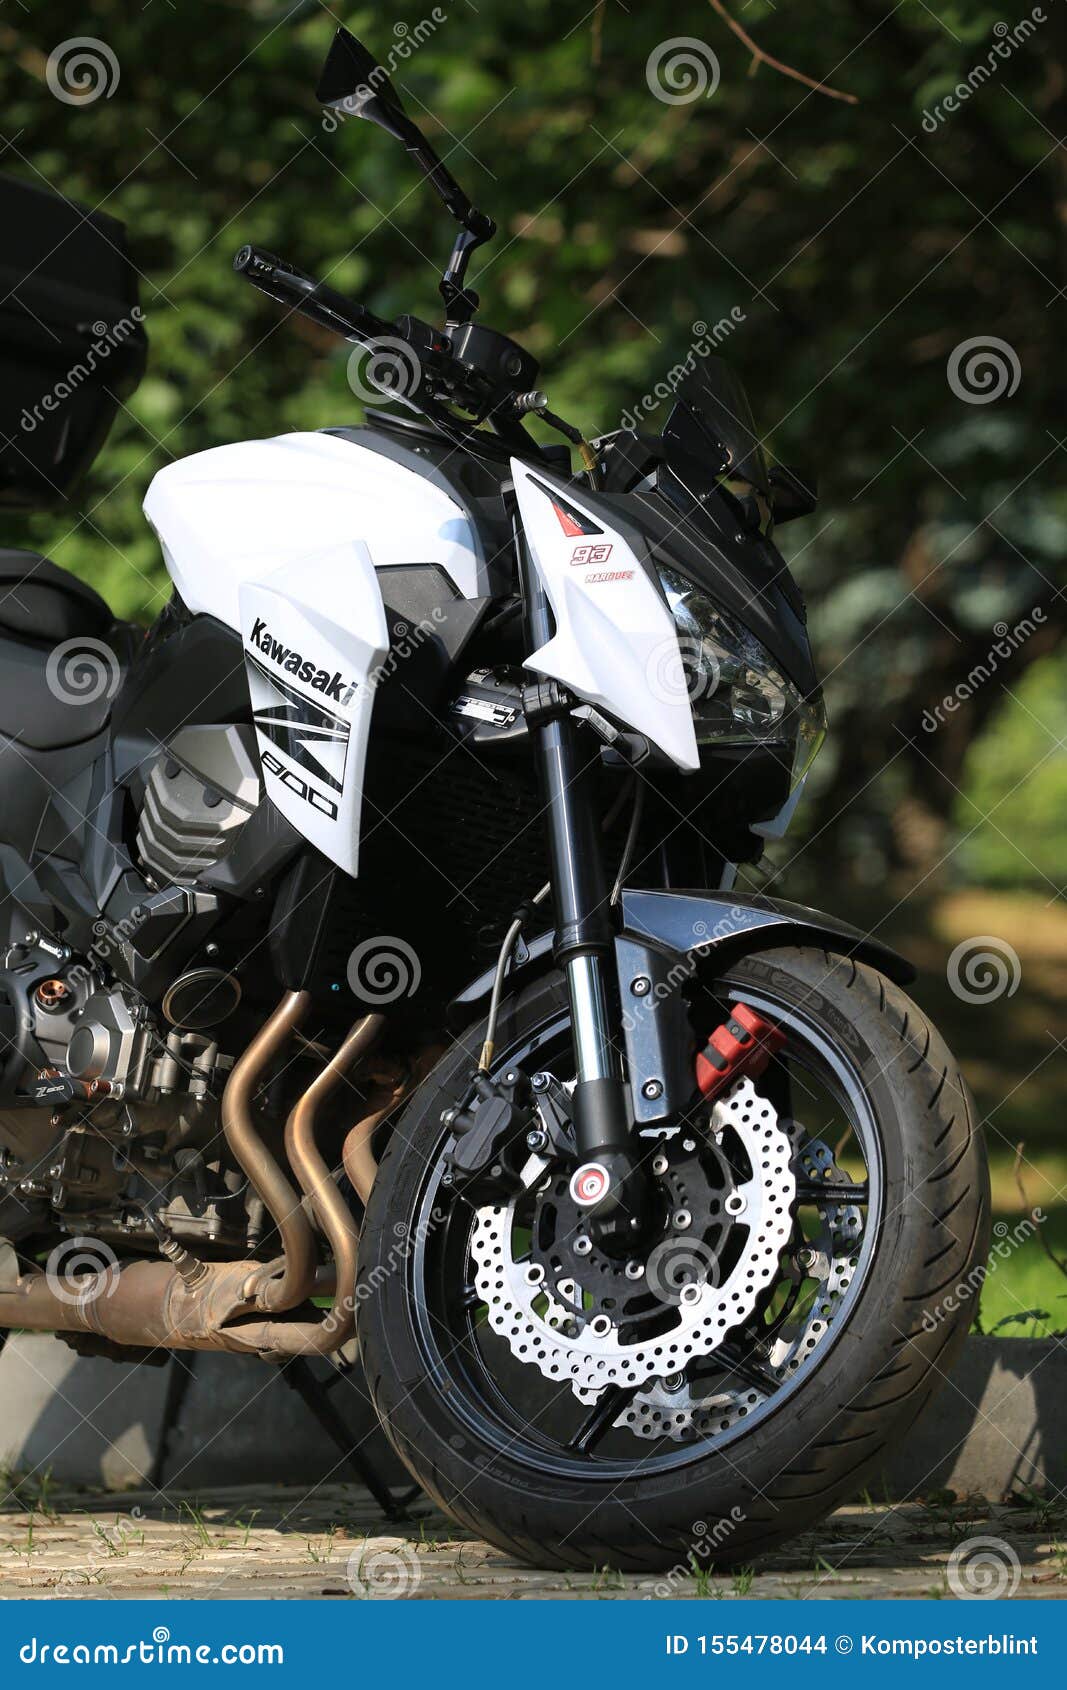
235 515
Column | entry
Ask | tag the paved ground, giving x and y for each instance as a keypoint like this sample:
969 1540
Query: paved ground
270 1542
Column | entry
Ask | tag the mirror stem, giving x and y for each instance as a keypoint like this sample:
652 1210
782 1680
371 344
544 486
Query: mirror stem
461 302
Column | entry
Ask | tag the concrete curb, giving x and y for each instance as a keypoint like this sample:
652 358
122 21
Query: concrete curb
105 1425
998 1425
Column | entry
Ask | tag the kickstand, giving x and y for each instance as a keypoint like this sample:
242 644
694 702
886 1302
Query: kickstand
179 1378
314 1393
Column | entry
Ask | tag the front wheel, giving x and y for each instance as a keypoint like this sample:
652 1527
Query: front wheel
734 1382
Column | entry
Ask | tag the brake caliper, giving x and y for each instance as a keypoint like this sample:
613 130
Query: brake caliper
491 1123
742 1045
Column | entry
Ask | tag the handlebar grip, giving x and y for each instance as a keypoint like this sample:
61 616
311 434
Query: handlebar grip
260 265
252 257
283 281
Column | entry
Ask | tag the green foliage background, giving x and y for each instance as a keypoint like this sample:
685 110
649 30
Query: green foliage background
861 248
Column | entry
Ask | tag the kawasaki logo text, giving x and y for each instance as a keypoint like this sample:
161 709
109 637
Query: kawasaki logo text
296 664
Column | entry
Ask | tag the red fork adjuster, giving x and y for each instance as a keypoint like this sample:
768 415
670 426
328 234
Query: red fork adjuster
742 1045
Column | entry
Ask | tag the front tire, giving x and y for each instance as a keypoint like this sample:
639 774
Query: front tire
811 1442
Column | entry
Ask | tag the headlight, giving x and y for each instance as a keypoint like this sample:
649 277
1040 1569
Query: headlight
739 696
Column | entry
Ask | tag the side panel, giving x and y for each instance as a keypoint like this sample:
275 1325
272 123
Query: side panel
615 641
314 635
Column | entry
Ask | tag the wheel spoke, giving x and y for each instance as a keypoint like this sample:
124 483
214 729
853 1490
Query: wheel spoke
739 1361
600 1419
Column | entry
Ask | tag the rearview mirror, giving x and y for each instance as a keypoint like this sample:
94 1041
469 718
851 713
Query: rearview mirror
353 82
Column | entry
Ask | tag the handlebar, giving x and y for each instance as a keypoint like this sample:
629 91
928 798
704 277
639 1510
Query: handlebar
471 366
323 304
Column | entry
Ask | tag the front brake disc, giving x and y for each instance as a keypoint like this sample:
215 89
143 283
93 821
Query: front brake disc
555 1326
684 1409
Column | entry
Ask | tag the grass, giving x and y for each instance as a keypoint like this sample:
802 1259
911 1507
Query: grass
31 1492
1025 1294
321 1553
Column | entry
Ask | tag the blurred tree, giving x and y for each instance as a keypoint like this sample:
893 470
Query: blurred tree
862 244
1014 797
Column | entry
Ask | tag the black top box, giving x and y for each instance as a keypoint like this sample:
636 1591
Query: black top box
72 340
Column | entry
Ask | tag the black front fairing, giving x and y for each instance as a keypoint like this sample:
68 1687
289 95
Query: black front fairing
691 522
711 422
702 496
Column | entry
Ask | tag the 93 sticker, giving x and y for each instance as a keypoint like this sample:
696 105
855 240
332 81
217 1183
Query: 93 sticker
590 554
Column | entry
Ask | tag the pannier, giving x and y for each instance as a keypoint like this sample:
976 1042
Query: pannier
72 340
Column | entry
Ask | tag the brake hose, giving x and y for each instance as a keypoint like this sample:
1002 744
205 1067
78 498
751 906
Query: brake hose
631 840
506 948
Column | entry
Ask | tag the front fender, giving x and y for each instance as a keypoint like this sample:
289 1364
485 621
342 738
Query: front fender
703 924
728 925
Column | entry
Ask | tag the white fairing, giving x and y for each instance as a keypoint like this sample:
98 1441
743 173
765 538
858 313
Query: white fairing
280 539
615 642
239 512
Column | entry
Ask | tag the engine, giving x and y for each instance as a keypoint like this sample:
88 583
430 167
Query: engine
116 1130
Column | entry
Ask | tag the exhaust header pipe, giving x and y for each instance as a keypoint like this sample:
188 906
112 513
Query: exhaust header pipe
245 1307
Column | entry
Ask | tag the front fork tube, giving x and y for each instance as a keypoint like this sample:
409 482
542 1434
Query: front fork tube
584 944
584 936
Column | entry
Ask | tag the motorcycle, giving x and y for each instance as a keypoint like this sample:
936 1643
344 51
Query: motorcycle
644 1198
